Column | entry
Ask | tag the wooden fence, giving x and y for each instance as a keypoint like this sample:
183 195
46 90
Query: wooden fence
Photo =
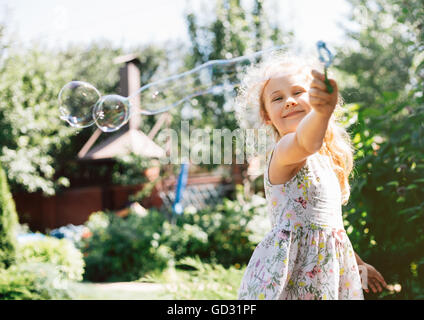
74 205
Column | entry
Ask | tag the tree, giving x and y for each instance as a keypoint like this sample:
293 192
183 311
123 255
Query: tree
385 117
8 223
38 148
232 31
382 62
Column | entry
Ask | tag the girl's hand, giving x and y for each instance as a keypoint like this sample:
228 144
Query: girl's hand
319 98
375 280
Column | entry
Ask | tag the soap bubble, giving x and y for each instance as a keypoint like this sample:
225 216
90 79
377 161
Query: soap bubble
214 77
81 105
76 102
111 112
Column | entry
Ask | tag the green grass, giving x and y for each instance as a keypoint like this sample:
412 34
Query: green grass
202 282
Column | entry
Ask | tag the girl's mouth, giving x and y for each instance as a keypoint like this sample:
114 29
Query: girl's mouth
294 113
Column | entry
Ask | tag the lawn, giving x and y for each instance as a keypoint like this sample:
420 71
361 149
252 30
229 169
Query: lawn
200 282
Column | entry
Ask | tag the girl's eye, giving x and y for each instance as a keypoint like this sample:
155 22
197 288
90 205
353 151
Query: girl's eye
298 92
276 99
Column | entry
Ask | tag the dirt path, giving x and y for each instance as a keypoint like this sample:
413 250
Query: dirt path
119 291
130 286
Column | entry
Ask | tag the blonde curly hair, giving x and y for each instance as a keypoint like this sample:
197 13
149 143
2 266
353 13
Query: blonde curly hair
250 111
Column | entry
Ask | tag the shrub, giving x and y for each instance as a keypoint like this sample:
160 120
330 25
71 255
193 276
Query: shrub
129 169
185 240
33 281
58 252
8 223
124 249
232 228
384 215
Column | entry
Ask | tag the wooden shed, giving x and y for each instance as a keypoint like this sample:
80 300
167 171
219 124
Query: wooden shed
129 139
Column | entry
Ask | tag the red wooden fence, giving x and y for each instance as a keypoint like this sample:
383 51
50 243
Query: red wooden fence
74 205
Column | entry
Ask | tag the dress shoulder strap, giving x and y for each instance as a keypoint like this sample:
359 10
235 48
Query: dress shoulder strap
268 161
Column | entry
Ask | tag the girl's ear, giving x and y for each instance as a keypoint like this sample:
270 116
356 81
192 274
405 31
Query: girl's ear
265 116
267 119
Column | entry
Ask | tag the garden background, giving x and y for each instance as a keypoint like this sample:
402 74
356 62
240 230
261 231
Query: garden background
202 254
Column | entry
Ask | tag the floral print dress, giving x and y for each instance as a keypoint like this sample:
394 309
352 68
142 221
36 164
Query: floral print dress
307 253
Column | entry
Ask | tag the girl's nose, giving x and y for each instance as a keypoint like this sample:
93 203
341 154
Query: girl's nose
290 104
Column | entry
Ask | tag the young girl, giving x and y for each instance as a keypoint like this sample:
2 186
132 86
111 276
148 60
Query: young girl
307 254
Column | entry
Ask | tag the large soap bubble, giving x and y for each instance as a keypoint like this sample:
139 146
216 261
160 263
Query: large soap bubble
80 105
76 102
214 77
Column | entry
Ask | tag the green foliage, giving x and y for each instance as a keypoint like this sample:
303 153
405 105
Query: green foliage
124 249
185 239
59 252
386 204
33 281
35 270
38 148
146 191
382 63
129 170
127 248
225 234
8 223
385 211
29 120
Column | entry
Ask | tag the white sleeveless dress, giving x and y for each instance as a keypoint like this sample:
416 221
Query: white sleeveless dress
307 253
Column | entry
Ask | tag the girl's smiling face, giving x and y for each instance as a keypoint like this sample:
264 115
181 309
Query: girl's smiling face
282 95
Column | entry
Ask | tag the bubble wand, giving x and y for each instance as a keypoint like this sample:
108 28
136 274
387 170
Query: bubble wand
327 60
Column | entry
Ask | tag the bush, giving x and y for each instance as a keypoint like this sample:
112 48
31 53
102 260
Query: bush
385 211
8 223
226 233
185 240
124 249
33 281
59 252
129 170
386 206
70 232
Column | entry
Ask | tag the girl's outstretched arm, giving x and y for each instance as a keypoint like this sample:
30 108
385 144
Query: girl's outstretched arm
295 147
311 130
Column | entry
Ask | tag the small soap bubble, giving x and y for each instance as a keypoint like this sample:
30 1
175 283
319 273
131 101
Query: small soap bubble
111 112
76 102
